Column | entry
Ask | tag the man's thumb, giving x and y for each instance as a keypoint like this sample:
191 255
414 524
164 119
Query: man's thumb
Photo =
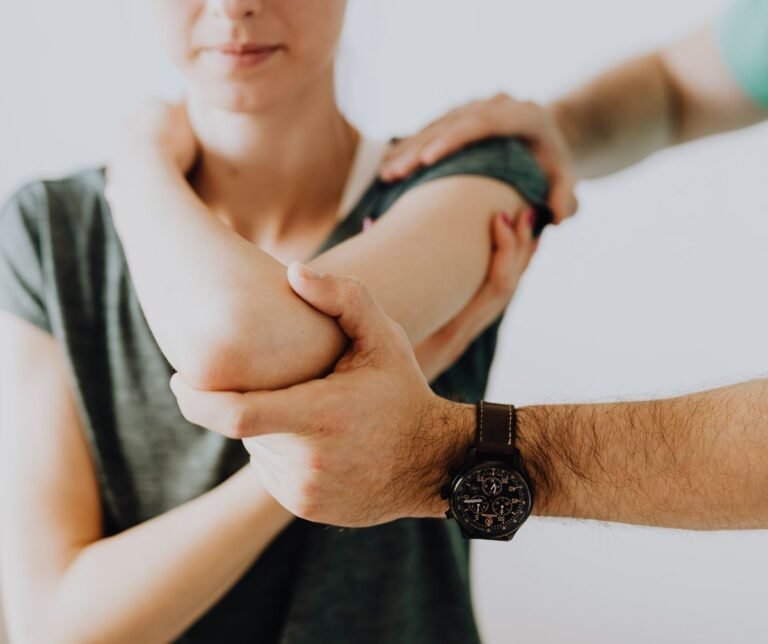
343 298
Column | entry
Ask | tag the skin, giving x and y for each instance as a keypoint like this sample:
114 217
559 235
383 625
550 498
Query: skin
649 463
166 228
254 136
678 94
371 443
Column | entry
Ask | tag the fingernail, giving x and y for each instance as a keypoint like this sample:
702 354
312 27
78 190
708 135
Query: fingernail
530 217
506 219
367 223
310 273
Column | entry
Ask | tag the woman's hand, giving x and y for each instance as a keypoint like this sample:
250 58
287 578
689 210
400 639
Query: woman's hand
162 129
498 116
513 247
157 136
155 147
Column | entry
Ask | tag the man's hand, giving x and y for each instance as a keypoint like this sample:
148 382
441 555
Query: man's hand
368 444
513 247
498 116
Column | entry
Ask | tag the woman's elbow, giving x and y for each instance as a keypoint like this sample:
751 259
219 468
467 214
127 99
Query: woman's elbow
238 351
213 365
212 351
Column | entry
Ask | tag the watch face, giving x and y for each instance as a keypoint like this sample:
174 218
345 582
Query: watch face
491 500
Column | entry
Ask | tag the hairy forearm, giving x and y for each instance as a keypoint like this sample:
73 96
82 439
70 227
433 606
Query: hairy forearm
152 582
678 94
694 462
619 118
223 312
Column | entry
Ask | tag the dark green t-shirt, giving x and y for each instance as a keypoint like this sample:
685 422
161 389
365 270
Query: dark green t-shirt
62 268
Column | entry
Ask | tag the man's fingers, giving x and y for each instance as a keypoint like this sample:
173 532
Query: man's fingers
345 299
237 415
405 157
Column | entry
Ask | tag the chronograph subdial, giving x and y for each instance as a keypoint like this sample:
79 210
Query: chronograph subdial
492 486
478 505
502 506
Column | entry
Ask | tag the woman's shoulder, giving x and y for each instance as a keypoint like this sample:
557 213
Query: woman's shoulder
49 228
504 159
69 197
69 214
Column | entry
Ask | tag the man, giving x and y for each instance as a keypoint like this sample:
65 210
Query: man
712 81
370 443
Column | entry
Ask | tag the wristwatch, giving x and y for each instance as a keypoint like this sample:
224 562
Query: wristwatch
491 495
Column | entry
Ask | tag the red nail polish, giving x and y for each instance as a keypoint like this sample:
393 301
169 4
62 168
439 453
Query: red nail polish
506 219
531 217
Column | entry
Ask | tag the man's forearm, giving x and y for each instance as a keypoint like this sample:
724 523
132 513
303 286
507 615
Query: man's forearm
619 118
679 94
694 462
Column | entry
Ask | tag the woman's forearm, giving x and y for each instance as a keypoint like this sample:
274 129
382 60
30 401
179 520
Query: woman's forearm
429 255
209 296
152 582
223 312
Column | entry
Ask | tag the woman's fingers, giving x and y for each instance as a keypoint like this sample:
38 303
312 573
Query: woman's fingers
513 247
511 240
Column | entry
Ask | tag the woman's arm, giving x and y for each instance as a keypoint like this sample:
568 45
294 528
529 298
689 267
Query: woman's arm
62 580
222 310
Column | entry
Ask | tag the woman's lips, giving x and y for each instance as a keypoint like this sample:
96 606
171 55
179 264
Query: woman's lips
240 57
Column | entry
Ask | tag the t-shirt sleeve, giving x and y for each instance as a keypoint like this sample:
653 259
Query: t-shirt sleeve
742 35
504 159
22 283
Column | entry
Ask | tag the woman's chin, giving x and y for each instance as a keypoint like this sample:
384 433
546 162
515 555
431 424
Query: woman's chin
238 100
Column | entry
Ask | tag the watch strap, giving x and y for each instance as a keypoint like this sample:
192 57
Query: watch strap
496 429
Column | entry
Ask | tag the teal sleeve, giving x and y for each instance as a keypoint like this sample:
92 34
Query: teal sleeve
742 34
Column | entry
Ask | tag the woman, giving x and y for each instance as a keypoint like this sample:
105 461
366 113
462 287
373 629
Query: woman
128 524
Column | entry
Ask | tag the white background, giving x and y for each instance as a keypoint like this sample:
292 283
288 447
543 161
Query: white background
658 287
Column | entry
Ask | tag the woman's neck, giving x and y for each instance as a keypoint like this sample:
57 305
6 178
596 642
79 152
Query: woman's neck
271 173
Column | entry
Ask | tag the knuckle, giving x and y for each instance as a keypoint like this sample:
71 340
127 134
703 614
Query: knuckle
316 465
307 505
501 100
238 423
400 333
355 292
503 286
482 121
